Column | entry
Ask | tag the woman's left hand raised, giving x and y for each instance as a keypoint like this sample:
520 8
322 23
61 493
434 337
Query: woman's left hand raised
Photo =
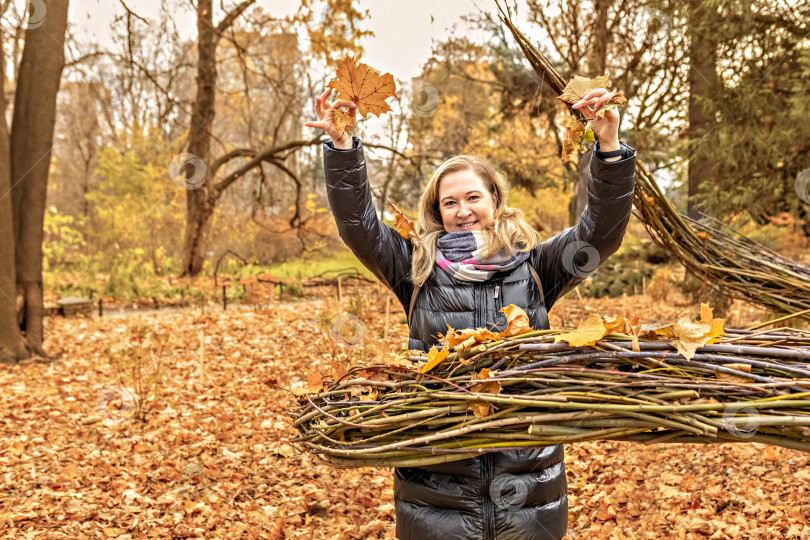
606 129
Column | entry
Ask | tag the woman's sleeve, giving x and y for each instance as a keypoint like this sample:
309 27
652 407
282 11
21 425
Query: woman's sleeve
379 247
566 259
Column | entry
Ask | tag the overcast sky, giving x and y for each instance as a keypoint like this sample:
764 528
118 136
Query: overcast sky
403 30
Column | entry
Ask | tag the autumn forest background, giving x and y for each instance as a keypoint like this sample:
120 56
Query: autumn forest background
170 262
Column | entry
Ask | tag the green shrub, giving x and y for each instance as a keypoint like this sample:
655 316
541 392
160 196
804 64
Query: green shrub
295 289
626 270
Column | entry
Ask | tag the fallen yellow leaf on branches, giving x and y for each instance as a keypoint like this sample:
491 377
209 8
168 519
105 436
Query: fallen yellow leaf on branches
479 407
744 368
435 357
588 332
517 322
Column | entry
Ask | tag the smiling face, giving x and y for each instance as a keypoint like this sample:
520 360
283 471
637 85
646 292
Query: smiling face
465 202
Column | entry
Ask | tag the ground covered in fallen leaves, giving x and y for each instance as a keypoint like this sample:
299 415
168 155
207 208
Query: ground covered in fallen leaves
213 458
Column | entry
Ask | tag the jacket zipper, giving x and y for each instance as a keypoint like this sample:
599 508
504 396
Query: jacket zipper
497 298
489 510
486 459
497 303
489 457
480 300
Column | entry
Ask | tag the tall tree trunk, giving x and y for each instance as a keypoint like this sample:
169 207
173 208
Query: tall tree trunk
31 139
702 81
12 345
201 201
596 63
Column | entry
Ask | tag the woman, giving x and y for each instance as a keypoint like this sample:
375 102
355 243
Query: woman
474 256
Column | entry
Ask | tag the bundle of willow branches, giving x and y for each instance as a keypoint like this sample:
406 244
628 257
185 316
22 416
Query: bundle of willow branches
740 266
748 386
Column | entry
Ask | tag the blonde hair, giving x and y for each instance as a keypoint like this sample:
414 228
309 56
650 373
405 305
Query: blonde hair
508 230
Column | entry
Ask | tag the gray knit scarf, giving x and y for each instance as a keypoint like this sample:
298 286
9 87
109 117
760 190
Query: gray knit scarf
459 254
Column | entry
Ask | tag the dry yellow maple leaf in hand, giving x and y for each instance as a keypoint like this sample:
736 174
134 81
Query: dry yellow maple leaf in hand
572 137
365 87
576 136
578 87
404 226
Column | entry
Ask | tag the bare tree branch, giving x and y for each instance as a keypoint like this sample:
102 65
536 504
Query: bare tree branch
269 155
85 57
226 23
132 13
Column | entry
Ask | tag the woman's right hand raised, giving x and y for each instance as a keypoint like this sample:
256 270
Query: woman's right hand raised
326 113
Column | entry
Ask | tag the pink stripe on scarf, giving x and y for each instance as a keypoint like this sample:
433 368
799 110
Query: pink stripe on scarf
444 263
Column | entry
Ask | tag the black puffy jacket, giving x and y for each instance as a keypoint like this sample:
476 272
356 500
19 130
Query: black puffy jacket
504 495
